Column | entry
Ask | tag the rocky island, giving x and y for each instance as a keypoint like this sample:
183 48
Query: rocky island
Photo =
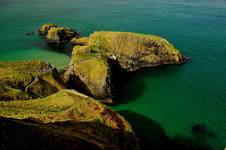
63 107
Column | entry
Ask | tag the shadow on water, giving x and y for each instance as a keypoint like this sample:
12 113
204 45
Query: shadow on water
129 86
152 136
121 80
64 48
160 71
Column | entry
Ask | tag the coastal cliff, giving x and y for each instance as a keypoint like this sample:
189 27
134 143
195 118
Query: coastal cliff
67 117
34 96
132 51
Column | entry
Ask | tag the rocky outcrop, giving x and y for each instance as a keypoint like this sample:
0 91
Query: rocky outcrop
28 80
92 57
52 116
134 51
66 118
57 35
43 30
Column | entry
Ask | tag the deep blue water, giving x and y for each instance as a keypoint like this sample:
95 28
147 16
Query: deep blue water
174 97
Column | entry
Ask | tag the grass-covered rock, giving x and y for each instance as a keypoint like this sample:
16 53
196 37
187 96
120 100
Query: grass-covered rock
134 51
80 41
92 69
67 117
93 56
28 80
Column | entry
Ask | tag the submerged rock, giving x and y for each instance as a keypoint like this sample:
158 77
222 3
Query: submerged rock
68 117
28 80
57 35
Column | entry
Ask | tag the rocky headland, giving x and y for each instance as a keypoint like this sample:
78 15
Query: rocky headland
34 96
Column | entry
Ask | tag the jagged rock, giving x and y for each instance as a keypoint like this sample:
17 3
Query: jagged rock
134 51
65 120
43 30
92 69
28 80
57 35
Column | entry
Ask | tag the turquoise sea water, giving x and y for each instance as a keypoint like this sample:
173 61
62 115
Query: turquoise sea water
171 98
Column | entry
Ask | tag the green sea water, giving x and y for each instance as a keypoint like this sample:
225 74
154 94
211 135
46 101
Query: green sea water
173 98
